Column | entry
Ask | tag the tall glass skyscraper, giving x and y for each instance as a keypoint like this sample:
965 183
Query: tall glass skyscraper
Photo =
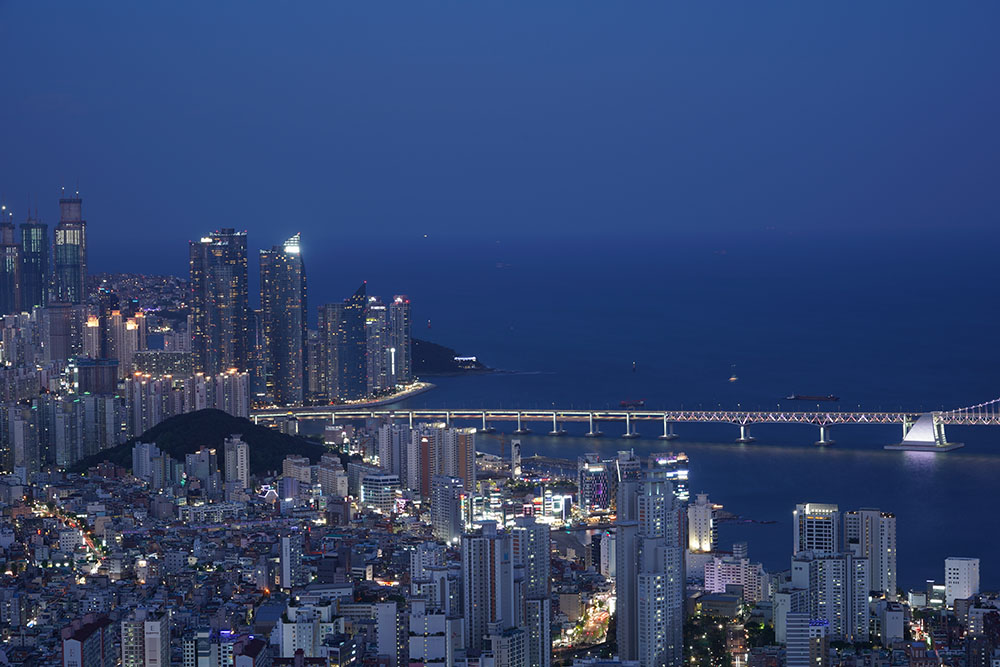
70 253
283 306
34 264
10 270
353 346
400 363
219 301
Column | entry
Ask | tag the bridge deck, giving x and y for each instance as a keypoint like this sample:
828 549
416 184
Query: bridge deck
825 418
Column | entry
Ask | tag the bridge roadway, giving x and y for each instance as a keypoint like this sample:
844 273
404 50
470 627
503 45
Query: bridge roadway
484 417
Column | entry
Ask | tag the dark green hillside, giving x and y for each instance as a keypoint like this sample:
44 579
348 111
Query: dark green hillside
185 434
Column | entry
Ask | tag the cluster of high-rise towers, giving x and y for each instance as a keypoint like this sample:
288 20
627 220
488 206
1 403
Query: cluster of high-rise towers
28 279
360 349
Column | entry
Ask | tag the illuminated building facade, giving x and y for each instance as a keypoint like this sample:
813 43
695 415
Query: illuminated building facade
219 301
283 308
34 264
352 347
400 344
70 253
10 270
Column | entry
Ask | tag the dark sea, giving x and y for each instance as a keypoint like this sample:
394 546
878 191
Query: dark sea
885 321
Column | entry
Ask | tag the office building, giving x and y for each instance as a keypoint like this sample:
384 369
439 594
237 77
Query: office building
961 579
69 248
237 461
145 639
400 343
816 528
489 588
10 270
219 302
34 264
88 642
593 483
701 525
380 492
871 534
283 307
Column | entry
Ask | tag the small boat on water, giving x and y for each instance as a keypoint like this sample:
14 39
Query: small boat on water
807 397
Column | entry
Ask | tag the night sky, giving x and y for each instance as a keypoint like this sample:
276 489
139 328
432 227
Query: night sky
497 120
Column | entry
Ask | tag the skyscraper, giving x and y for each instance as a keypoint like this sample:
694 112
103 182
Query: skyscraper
837 591
400 344
10 270
871 534
34 264
377 344
816 528
219 302
701 525
283 306
532 552
328 365
70 253
660 579
352 347
293 572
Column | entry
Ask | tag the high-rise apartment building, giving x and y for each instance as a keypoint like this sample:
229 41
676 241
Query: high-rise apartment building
219 302
871 534
34 264
377 346
69 258
283 306
293 572
489 587
660 580
701 525
816 528
328 363
353 346
447 520
237 461
837 591
400 343
532 553
961 579
10 270
145 639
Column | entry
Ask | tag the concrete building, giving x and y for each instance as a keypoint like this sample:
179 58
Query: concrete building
961 578
145 639
871 534
701 525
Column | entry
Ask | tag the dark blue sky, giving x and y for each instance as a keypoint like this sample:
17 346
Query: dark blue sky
498 120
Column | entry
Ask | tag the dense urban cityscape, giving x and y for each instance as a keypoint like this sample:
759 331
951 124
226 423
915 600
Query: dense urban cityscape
148 521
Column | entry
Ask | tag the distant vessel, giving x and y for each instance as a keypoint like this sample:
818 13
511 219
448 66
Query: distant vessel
806 397
428 324
641 403
733 378
633 367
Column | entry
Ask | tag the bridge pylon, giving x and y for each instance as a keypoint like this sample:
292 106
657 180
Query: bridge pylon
745 436
924 433
824 436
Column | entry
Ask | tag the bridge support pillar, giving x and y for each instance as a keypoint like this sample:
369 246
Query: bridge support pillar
745 436
447 419
593 432
824 436
520 429
555 427
629 433
925 434
668 430
411 419
486 427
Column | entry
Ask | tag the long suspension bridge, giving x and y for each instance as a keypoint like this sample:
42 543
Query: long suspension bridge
921 431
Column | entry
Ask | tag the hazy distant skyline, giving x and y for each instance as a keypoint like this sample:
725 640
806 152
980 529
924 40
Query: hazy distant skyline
492 120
